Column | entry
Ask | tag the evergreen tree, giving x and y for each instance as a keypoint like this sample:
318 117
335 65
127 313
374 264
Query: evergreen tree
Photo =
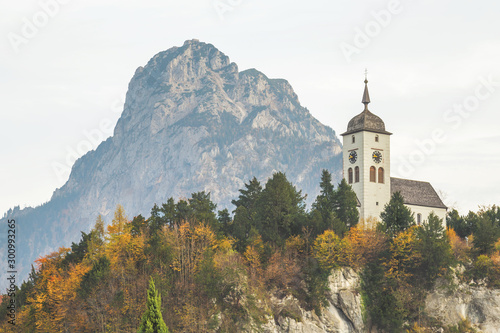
396 217
346 204
203 209
183 211
245 213
224 220
281 209
457 223
154 221
168 209
98 273
471 222
435 250
152 320
485 235
138 225
325 200
248 197
78 251
322 215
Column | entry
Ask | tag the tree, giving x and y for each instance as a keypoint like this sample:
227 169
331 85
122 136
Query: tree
138 225
96 243
224 220
435 250
183 211
485 236
329 250
78 251
119 223
324 203
457 223
396 217
346 204
281 209
248 197
203 209
471 222
322 216
245 213
94 277
152 320
404 257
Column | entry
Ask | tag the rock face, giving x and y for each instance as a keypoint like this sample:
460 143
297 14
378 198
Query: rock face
341 315
480 305
191 122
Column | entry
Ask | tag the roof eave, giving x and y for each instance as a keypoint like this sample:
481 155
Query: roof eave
365 130
430 206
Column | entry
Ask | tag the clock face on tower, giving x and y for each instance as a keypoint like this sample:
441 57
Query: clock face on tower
353 156
377 156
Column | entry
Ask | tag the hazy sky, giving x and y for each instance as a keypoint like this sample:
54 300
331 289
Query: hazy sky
433 67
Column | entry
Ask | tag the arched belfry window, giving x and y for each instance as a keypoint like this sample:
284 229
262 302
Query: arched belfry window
356 174
419 219
349 175
376 138
381 175
373 176
353 139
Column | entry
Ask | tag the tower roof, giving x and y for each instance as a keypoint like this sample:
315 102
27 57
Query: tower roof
366 121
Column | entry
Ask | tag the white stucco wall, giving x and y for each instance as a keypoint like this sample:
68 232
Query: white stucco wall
425 211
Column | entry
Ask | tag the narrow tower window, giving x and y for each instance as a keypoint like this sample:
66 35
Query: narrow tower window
350 175
373 175
419 218
376 138
381 175
353 139
356 174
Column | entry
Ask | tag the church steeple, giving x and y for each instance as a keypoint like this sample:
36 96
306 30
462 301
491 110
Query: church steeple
366 96
366 121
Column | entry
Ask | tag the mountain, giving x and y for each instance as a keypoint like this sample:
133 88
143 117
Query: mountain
191 122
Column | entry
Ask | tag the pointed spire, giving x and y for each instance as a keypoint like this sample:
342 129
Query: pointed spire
366 96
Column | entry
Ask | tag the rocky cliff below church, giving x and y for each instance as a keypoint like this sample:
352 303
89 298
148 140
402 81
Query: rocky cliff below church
344 312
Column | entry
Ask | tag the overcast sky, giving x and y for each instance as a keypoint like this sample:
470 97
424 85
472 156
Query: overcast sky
433 71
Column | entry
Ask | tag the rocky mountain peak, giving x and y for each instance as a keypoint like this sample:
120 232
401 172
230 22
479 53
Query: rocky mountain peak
191 122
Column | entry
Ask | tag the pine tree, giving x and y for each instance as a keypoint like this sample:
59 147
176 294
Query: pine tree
485 236
322 214
281 210
346 204
396 217
152 320
245 213
435 249
204 209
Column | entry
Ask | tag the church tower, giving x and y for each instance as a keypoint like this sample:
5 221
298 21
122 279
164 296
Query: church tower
367 161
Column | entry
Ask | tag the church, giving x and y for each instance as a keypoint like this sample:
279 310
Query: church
367 168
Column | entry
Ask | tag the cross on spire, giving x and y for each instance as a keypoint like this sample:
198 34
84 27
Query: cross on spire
366 96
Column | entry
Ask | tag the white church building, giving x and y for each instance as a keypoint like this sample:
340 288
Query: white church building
367 168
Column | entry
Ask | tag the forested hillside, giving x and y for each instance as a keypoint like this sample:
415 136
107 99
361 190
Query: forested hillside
218 271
